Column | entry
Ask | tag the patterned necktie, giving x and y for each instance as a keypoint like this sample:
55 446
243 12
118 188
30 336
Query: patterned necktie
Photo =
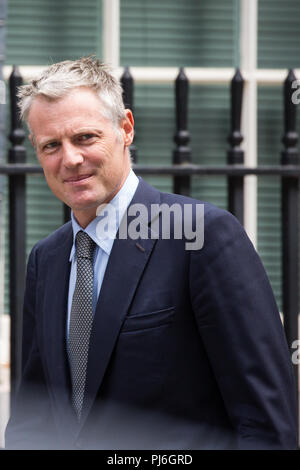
81 318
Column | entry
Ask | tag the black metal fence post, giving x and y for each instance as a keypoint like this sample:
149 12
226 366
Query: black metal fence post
235 154
17 233
128 94
182 153
290 210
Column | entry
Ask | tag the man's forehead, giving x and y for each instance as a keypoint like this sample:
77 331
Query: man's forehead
76 105
83 96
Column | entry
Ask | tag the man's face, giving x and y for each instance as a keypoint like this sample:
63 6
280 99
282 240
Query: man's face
85 161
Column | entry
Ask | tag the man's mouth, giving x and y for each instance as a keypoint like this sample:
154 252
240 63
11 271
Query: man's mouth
77 179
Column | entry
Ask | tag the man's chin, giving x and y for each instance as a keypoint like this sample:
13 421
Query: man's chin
87 209
82 204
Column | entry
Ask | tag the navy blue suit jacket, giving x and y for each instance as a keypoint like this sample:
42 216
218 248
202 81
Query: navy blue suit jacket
187 349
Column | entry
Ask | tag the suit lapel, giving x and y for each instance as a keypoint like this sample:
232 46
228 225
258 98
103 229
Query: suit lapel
54 325
124 269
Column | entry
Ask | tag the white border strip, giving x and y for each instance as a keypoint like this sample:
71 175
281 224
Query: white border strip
195 75
168 75
111 32
248 42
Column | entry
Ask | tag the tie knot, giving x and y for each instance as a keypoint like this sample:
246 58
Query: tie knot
84 245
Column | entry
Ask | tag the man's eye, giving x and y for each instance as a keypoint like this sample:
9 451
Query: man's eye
50 146
85 137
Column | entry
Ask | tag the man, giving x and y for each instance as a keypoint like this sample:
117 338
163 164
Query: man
134 338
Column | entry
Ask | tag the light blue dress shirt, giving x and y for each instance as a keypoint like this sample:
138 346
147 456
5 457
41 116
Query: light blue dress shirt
104 240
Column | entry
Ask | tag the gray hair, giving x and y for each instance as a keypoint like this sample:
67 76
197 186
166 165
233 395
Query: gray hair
60 78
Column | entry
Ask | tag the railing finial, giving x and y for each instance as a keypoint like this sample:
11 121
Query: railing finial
182 153
127 83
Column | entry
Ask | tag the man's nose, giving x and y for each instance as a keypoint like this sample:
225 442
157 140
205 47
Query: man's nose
71 155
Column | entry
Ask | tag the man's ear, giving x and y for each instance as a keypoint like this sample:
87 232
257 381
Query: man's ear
127 128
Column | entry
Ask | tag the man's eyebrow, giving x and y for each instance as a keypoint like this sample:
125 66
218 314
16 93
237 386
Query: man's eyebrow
82 130
87 130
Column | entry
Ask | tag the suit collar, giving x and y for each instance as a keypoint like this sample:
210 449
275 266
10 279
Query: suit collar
118 205
56 283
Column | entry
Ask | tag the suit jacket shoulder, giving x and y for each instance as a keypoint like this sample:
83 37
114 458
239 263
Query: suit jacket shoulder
53 239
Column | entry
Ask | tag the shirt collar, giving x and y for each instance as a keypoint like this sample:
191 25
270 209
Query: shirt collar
118 205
